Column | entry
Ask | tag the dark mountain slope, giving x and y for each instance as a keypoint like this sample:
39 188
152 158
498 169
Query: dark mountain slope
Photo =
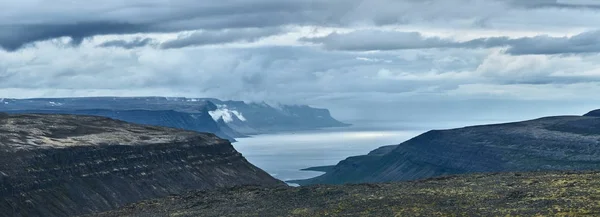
511 194
595 113
551 143
63 165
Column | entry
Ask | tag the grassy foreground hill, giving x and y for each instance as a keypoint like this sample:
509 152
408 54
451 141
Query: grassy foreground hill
505 194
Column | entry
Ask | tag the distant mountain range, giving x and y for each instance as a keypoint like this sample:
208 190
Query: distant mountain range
226 119
545 144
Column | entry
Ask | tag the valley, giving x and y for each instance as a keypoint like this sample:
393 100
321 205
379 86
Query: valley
98 166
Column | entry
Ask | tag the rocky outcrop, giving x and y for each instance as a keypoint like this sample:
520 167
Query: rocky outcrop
511 194
198 121
64 165
551 143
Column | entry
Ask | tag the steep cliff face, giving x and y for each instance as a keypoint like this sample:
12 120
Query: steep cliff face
253 118
238 118
552 143
227 130
63 165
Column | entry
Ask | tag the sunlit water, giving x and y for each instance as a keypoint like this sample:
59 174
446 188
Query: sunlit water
283 155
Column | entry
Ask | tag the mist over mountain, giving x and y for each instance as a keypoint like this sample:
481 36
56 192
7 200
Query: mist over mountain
226 119
250 118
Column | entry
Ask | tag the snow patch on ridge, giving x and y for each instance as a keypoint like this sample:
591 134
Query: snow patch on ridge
226 113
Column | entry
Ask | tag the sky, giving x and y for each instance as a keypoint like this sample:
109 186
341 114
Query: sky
363 59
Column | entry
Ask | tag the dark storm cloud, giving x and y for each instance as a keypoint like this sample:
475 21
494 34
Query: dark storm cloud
20 25
587 42
220 37
138 42
156 17
14 37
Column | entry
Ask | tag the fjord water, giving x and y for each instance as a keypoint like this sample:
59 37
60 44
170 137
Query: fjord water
283 155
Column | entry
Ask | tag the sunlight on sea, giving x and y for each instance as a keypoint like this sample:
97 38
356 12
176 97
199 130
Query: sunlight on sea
283 155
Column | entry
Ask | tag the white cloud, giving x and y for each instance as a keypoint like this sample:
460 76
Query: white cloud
226 114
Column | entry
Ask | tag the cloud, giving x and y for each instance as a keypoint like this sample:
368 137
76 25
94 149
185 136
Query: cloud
226 114
422 55
368 40
14 37
137 42
220 37
569 4
342 81
22 23
288 74
587 42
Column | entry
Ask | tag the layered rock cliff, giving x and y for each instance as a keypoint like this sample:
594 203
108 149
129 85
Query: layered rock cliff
551 143
254 118
234 118
64 165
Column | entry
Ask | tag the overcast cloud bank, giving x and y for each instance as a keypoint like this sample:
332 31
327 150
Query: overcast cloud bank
349 55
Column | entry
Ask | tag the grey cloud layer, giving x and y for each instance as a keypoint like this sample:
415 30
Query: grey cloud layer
220 37
18 29
137 42
366 40
16 36
334 79
410 66
22 23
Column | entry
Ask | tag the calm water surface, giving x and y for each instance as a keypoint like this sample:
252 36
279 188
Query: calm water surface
283 155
